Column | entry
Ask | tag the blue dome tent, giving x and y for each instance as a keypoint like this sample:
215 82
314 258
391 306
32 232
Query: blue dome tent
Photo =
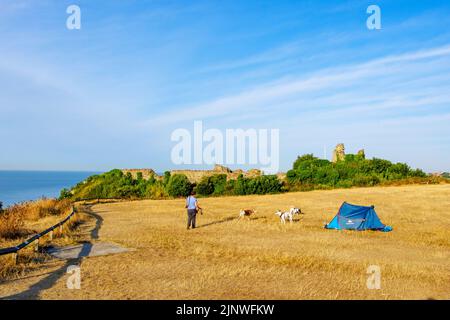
353 217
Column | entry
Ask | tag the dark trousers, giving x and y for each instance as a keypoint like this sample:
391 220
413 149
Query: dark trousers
192 214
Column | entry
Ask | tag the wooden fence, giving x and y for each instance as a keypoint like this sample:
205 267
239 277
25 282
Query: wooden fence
34 240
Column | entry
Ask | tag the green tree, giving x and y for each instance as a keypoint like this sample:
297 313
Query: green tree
239 188
166 178
205 187
420 174
179 186
219 182
65 194
380 165
303 159
354 170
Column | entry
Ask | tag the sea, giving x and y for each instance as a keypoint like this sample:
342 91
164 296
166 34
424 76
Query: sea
19 186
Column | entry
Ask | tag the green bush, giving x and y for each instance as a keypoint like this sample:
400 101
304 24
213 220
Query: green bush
239 186
308 173
205 187
354 170
257 185
213 185
361 180
420 174
116 185
110 185
178 186
264 184
155 191
229 187
220 182
166 178
302 160
65 194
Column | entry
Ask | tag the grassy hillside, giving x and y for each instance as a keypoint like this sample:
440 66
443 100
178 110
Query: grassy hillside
308 173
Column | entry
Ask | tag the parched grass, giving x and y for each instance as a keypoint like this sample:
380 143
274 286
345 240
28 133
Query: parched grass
13 219
20 221
35 210
259 258
12 223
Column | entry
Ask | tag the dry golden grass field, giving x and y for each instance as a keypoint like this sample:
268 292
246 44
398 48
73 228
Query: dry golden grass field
258 258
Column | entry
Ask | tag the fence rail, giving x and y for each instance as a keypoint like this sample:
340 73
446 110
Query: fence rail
35 239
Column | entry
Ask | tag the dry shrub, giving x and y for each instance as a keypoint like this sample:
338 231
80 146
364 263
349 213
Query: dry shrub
12 223
416 180
156 191
12 220
29 260
44 207
63 206
15 223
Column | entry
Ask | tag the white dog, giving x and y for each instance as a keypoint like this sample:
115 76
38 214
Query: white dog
288 215
295 211
284 216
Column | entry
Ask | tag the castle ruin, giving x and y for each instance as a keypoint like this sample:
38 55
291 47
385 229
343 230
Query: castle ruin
338 153
194 176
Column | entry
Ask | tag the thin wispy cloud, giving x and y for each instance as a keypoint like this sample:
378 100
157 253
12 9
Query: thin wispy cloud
110 94
326 80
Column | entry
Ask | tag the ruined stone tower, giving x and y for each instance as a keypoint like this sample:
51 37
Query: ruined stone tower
339 153
361 154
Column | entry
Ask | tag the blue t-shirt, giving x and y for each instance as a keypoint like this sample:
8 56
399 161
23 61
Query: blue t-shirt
191 202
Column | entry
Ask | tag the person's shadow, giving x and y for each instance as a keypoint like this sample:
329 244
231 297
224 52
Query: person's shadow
217 222
33 292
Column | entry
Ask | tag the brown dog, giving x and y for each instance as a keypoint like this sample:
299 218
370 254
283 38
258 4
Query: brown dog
246 213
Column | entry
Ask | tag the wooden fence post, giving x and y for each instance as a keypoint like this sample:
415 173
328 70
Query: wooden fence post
61 230
36 245
50 235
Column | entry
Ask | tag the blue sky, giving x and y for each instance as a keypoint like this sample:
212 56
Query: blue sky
109 95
